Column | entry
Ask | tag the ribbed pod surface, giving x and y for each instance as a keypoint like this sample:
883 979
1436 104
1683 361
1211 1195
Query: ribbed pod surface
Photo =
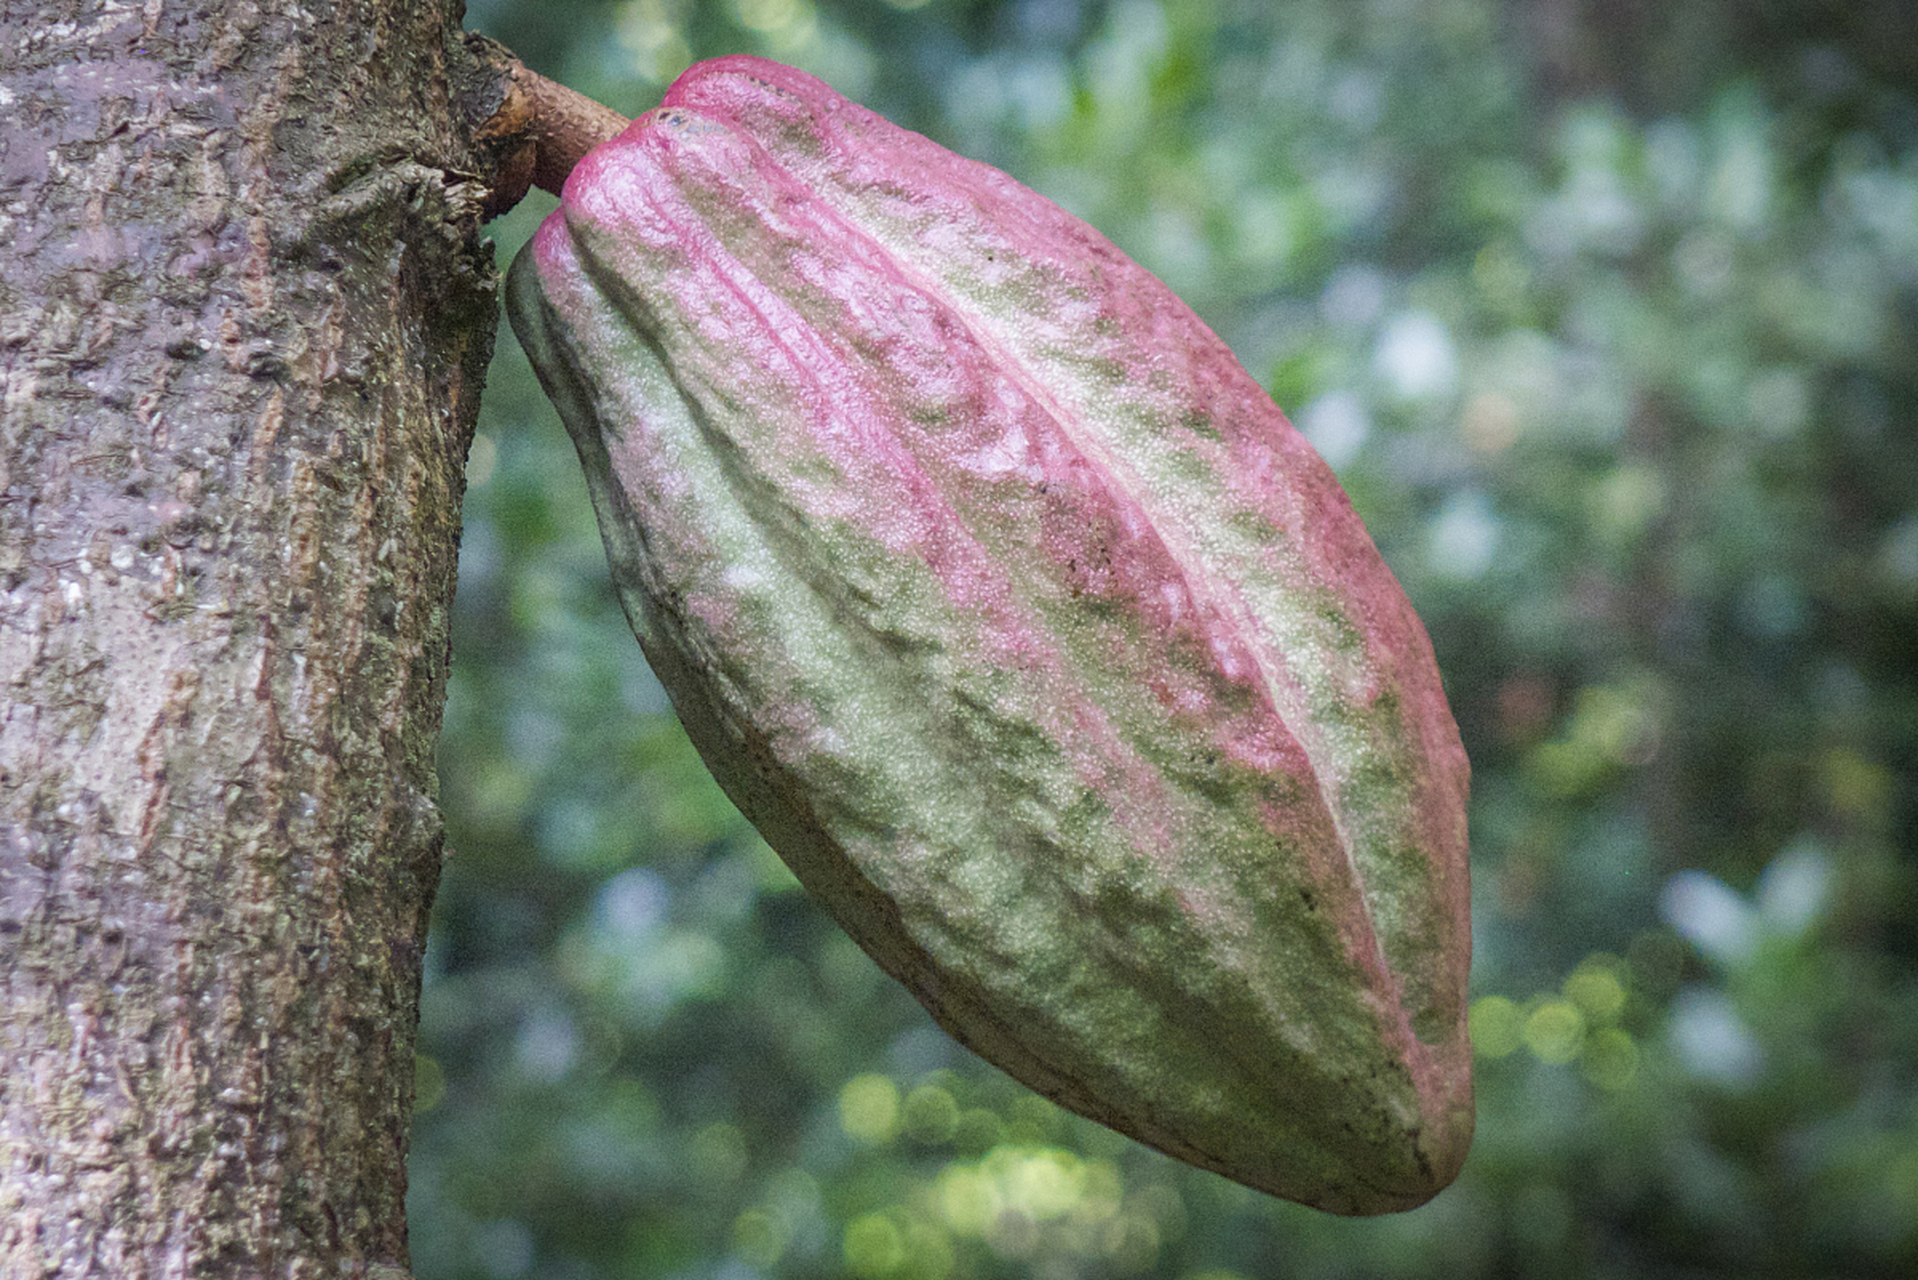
1016 616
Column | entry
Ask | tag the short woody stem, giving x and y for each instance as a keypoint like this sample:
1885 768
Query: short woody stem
539 129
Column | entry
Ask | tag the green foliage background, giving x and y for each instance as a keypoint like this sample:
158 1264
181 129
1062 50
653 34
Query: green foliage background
1608 317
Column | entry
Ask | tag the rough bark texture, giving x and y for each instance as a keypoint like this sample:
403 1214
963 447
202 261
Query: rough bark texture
243 325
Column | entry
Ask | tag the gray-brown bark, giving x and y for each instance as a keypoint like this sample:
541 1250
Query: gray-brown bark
243 325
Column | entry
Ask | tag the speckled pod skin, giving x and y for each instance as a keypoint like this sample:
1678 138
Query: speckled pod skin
1016 616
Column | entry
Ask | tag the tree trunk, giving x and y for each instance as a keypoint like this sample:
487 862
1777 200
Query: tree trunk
243 326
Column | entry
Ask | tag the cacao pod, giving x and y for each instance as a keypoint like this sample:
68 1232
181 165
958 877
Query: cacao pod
1026 629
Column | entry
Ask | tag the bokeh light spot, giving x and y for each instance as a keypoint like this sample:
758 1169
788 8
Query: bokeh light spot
1554 1031
1610 1058
1597 991
869 1109
1495 1025
873 1245
930 1115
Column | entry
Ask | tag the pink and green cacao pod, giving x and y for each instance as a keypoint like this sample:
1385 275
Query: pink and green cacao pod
1011 610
